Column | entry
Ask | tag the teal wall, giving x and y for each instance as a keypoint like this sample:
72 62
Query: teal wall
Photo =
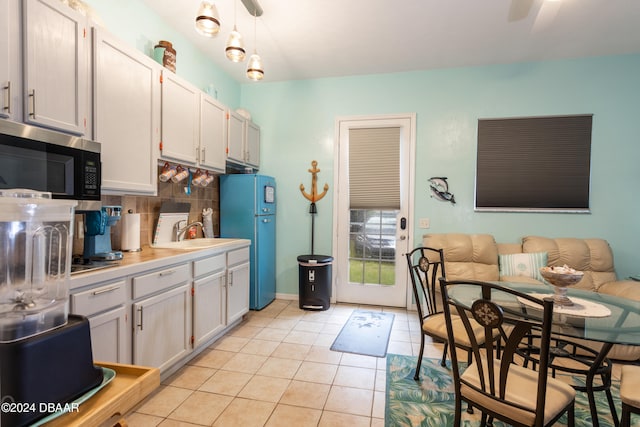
137 25
298 125
297 120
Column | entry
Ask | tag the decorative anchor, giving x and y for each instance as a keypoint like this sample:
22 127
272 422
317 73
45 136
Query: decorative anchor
314 196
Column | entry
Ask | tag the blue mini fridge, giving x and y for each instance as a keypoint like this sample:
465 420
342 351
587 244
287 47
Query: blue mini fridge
247 211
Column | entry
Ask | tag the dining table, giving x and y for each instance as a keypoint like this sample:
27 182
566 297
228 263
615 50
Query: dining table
593 316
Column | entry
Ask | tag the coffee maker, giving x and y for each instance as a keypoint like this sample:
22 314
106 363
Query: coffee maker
97 234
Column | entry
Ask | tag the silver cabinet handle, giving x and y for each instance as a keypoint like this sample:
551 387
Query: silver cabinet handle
166 273
104 291
32 95
141 316
231 278
204 156
8 103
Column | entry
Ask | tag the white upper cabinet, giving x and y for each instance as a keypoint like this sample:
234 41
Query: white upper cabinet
10 81
126 115
213 134
252 135
243 140
56 52
235 137
180 119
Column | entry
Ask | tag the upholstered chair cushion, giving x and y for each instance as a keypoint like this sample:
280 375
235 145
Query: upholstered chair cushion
520 383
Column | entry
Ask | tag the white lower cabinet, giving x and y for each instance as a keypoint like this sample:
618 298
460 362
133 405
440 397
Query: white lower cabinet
164 316
109 334
209 294
105 307
162 329
237 284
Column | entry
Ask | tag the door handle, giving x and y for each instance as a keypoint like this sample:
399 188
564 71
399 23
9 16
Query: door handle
403 223
141 314
7 106
403 237
32 95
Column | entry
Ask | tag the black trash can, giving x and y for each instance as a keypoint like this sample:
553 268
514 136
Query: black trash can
315 281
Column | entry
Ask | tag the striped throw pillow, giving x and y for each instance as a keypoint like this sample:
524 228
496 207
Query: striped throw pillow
527 264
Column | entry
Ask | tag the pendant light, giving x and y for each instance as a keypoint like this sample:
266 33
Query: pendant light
207 19
235 47
255 71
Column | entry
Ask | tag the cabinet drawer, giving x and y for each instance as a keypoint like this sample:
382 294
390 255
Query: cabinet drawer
99 299
209 265
238 256
159 280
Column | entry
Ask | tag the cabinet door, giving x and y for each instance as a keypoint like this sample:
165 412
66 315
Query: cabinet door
109 336
180 119
209 308
237 292
213 134
162 328
10 91
55 66
235 137
127 115
253 144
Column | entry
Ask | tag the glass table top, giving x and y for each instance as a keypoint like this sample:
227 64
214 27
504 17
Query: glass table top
622 326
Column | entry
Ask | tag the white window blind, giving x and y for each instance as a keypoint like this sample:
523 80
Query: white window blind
374 168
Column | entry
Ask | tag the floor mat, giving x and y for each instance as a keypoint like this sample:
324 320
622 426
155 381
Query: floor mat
366 332
430 402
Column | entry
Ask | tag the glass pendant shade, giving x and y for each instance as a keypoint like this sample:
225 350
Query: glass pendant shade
254 68
235 47
207 20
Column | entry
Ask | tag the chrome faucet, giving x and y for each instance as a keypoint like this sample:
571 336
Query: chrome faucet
178 231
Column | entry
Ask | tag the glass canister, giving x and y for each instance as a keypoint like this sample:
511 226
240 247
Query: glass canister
36 238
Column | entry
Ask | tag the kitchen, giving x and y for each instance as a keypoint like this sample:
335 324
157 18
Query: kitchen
199 293
458 97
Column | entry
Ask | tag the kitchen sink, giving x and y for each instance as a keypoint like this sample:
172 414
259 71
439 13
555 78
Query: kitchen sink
189 244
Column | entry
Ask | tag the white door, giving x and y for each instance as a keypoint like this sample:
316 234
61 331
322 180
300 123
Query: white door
213 134
131 126
162 330
55 66
180 119
371 238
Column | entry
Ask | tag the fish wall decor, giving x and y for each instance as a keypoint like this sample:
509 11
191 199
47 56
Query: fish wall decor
440 189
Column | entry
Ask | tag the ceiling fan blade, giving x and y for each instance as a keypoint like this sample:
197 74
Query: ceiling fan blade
519 9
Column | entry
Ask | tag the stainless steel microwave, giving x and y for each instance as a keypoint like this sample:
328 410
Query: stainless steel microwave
67 166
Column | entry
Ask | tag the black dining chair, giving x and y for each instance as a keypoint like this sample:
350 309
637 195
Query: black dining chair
575 359
425 266
493 382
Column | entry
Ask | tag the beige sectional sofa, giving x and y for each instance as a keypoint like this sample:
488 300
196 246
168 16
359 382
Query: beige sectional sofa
479 257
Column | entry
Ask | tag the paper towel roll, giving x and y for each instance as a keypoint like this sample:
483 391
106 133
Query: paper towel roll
130 237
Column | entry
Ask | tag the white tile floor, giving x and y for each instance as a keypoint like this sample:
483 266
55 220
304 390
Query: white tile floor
276 369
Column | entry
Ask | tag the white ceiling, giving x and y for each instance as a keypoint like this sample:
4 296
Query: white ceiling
304 39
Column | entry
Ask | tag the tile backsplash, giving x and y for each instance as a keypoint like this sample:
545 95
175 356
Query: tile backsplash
149 208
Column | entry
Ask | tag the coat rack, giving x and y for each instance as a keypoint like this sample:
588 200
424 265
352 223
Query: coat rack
313 197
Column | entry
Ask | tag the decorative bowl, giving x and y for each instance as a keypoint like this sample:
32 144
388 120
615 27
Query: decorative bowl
561 280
